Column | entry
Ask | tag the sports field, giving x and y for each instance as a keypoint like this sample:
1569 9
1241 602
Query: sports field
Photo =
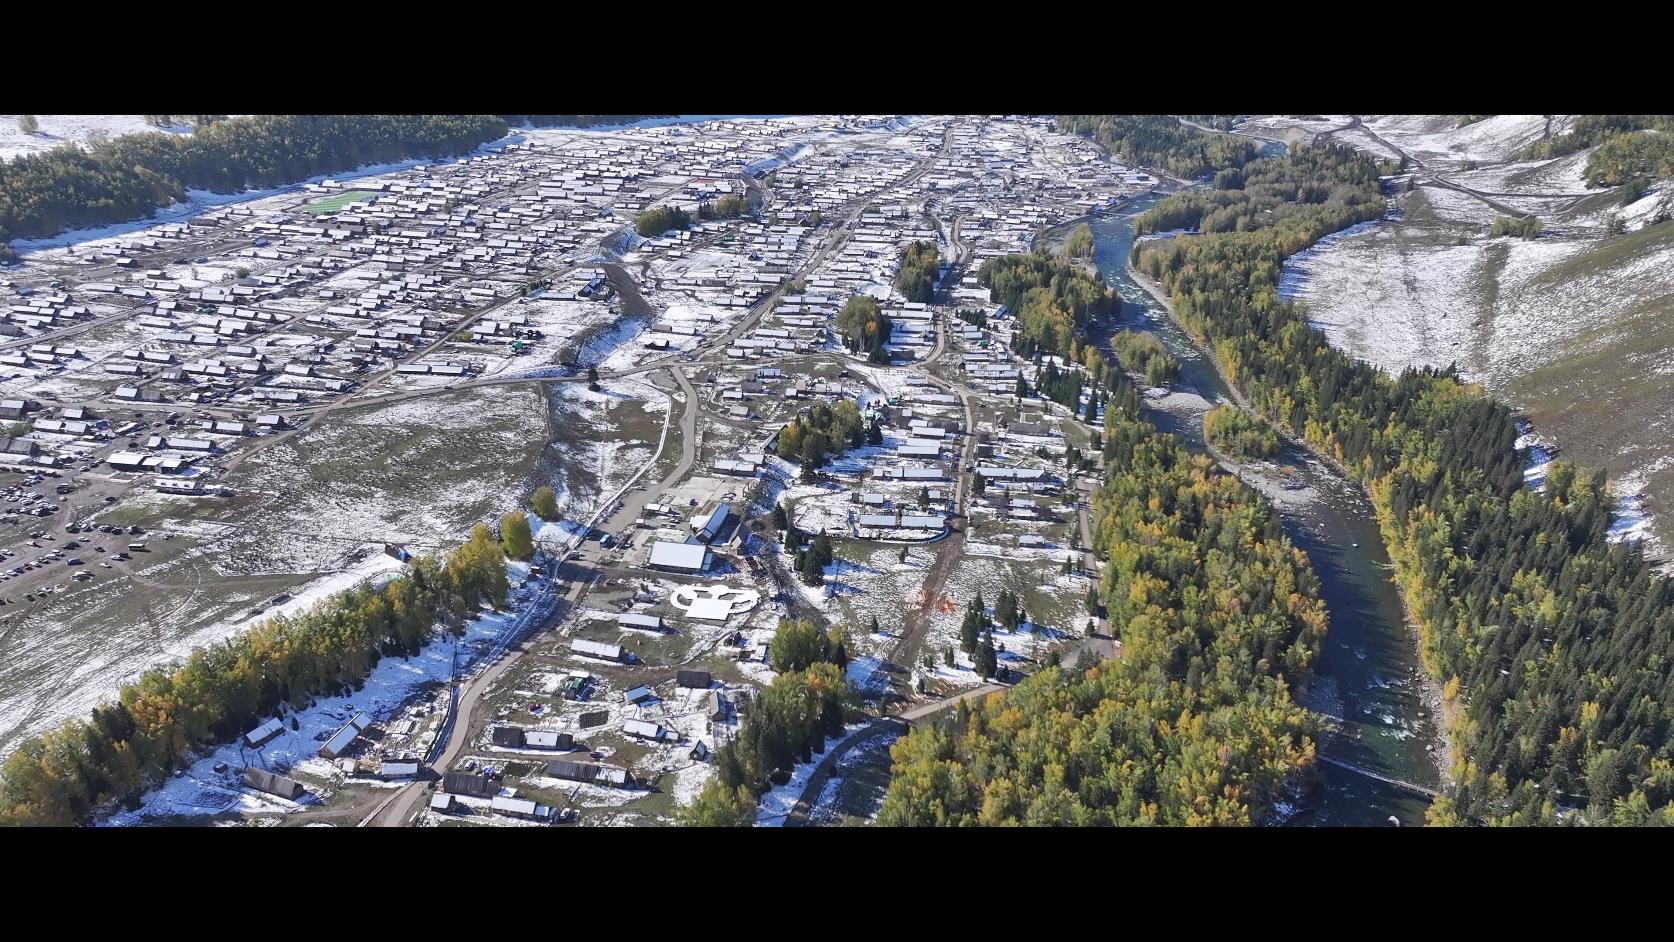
332 204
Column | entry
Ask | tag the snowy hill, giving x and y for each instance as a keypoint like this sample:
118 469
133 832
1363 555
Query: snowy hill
1575 328
59 129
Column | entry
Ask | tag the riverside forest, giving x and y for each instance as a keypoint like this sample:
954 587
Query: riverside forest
836 470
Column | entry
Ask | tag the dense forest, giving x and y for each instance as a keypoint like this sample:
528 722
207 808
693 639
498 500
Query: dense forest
1628 157
654 222
1591 129
1144 354
727 207
805 705
1051 298
575 120
1156 140
159 721
1555 643
822 431
127 177
920 264
1218 614
865 328
1237 433
1079 244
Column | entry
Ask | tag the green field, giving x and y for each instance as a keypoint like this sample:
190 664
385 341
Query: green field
333 204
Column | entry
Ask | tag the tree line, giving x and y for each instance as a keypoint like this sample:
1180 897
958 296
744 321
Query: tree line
660 219
1630 147
575 120
1554 642
1527 227
158 722
1156 140
865 328
920 264
1146 355
1080 243
1051 298
1218 614
1111 386
805 705
129 176
727 207
826 429
1233 431
195 120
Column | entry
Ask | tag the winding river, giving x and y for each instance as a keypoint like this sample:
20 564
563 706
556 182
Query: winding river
1368 678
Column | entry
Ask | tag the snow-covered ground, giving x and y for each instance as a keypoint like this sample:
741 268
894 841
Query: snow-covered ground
777 802
1431 137
200 790
1571 326
57 130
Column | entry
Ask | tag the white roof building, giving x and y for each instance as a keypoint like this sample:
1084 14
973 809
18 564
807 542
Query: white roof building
681 557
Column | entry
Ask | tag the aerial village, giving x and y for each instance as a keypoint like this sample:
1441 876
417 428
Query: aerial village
229 415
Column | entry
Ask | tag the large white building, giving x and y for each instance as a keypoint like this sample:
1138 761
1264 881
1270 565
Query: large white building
680 557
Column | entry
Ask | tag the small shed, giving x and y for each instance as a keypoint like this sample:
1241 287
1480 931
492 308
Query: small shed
546 739
261 734
405 768
640 729
468 783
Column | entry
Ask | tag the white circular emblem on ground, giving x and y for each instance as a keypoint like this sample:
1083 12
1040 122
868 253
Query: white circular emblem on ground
714 602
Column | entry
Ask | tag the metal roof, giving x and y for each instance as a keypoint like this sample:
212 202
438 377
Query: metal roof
689 556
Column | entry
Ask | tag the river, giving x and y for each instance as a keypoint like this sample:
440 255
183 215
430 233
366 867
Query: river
1368 675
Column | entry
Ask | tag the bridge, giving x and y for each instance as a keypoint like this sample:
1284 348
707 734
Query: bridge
1387 780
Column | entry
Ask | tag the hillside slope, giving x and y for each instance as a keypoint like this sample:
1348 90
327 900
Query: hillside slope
1576 327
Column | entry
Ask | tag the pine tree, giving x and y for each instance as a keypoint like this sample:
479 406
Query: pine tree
968 631
1005 610
985 661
